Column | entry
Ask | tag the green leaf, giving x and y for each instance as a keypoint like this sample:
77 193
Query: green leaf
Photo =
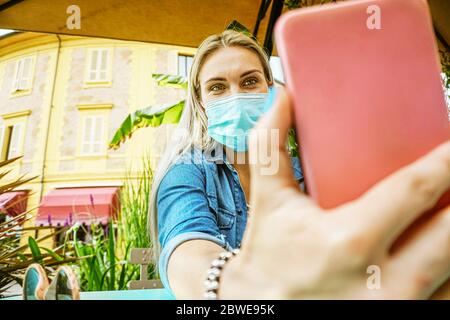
104 278
237 26
112 257
292 143
168 80
22 257
53 254
152 116
35 251
121 283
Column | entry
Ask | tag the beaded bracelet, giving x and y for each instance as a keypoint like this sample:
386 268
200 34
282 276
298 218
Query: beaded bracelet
214 272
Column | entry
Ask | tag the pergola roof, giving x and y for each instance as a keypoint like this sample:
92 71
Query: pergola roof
180 22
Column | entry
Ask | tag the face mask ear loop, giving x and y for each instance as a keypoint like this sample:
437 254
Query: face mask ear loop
270 98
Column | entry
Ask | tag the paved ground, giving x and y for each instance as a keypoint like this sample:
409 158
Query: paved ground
16 289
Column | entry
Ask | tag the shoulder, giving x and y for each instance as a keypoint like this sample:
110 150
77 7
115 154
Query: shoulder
193 156
189 168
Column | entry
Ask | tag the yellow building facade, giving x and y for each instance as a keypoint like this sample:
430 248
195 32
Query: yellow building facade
62 98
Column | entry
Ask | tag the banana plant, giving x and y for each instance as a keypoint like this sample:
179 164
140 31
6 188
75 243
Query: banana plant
152 116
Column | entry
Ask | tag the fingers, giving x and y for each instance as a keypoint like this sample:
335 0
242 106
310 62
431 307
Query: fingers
424 260
397 201
270 164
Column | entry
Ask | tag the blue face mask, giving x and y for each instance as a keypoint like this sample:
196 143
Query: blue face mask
231 118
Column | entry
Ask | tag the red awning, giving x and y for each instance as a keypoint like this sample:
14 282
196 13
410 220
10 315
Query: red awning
13 203
85 205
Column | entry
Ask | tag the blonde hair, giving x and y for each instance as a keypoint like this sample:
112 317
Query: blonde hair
193 120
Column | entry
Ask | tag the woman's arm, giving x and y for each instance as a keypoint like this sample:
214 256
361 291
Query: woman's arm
187 267
187 229
187 273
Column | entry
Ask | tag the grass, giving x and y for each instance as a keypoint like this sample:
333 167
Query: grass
105 250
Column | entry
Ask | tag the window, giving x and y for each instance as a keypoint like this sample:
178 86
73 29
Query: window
98 64
92 139
11 138
277 70
14 142
184 64
2 135
23 76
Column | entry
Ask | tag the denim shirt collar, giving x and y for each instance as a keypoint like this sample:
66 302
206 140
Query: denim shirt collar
220 158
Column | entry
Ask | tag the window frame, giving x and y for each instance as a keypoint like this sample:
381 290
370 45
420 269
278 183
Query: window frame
91 142
2 137
187 66
88 110
97 81
12 120
18 66
18 146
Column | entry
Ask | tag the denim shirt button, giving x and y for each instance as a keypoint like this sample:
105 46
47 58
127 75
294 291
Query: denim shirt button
239 211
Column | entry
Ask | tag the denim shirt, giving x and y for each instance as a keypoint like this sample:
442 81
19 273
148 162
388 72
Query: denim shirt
201 197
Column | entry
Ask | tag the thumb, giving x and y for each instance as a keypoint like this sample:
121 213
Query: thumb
270 164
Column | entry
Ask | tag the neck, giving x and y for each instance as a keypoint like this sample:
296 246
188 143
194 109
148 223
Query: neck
240 162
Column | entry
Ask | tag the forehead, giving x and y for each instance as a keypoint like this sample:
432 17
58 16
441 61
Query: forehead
229 61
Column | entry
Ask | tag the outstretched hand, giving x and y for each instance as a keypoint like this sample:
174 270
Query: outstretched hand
293 249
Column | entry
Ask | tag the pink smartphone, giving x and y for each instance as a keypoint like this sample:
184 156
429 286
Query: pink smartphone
365 80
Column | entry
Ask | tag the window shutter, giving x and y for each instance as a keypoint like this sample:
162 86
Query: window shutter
22 80
103 65
86 145
18 75
2 137
98 65
97 135
94 65
93 135
25 78
15 140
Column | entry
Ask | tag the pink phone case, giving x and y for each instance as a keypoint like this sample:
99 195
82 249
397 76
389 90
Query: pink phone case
368 101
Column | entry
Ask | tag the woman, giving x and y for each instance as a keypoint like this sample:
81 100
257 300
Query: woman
291 249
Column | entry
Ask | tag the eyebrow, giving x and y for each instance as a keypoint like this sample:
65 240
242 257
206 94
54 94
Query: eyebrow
242 75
